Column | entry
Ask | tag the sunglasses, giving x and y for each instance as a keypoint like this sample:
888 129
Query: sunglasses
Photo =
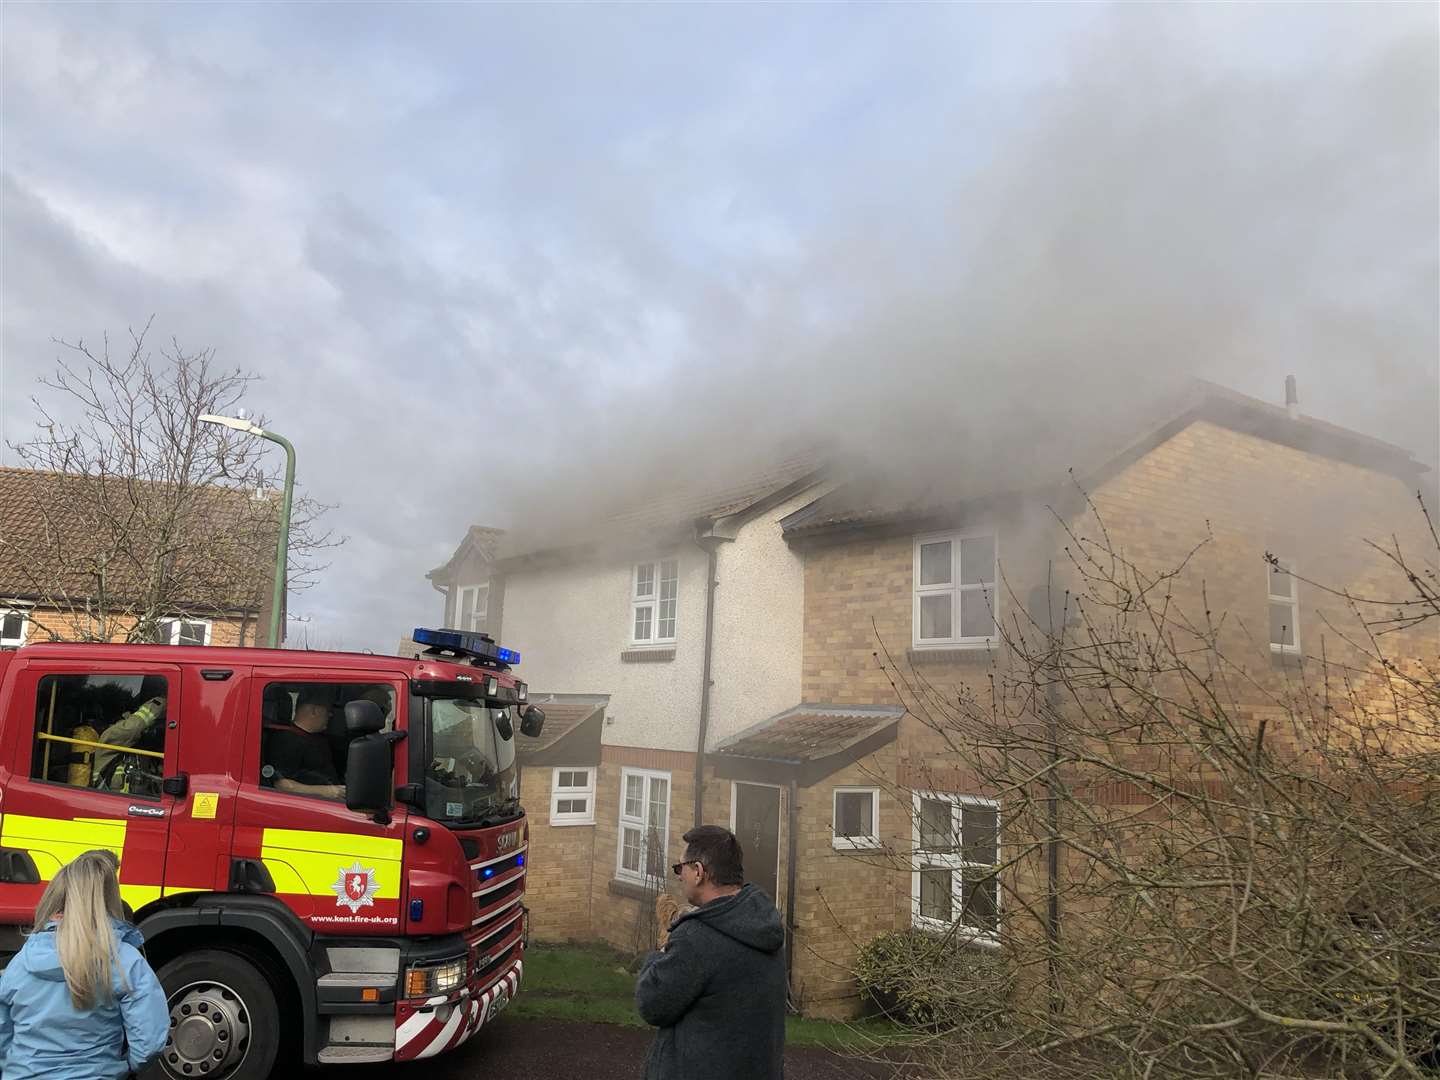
675 867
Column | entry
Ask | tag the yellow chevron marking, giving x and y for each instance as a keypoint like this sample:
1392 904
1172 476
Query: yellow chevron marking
176 890
137 896
53 842
303 862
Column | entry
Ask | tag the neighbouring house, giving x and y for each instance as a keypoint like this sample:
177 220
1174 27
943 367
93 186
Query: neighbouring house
683 617
738 657
84 559
925 579
464 581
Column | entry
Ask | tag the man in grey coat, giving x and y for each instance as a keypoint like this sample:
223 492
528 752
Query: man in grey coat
716 990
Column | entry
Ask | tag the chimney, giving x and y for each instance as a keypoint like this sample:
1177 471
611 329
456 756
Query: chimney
1292 399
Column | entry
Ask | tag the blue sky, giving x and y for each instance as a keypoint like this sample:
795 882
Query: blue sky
446 232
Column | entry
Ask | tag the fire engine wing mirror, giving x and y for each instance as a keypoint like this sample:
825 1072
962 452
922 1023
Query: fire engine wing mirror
369 770
363 718
532 722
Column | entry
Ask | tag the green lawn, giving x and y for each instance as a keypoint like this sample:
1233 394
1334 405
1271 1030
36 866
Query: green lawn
584 982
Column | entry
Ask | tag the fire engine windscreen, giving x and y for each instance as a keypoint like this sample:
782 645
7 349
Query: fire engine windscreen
472 773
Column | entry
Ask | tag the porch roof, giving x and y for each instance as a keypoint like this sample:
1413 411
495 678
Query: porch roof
809 740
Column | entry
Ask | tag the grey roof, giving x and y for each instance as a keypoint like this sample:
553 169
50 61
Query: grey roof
877 494
674 510
810 732
561 718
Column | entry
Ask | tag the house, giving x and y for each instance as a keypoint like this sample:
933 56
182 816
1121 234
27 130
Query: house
682 617
925 577
741 654
464 581
86 558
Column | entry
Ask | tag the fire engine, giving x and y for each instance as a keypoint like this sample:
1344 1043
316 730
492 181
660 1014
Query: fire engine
326 852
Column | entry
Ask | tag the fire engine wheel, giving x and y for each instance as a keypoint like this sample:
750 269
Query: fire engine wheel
223 1018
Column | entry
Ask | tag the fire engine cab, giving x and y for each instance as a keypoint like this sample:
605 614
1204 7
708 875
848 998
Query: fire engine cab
325 851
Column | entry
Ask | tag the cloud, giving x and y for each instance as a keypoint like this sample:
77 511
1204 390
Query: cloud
495 260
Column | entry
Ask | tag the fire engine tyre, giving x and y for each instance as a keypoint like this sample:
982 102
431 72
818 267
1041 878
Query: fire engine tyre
224 1022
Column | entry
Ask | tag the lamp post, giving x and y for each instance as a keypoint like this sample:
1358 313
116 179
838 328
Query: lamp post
282 545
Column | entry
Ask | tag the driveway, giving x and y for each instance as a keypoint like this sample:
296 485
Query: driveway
519 1049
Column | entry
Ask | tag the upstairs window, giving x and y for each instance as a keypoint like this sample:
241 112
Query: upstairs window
183 632
472 604
12 627
1284 607
655 586
955 593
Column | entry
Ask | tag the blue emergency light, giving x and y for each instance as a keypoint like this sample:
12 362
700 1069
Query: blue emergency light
480 646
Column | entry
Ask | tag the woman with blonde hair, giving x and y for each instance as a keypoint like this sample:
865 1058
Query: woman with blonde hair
78 1001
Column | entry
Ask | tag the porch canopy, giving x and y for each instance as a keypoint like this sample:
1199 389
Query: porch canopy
805 743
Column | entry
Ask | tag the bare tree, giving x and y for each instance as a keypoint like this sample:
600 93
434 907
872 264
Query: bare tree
1211 867
135 512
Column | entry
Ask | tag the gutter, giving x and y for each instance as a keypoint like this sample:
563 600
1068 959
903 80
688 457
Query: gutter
713 558
792 814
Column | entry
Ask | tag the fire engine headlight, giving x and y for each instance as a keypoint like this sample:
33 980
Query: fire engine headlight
422 980
522 693
492 687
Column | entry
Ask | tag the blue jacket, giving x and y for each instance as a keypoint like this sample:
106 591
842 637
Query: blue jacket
42 1035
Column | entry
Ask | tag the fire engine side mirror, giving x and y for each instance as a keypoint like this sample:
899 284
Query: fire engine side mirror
369 767
363 718
532 722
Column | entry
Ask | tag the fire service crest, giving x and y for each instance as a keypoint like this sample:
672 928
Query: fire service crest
355 887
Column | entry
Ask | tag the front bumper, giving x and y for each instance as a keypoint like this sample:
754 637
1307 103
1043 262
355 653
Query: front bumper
438 1025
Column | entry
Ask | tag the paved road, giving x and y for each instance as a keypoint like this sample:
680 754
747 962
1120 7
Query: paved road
517 1049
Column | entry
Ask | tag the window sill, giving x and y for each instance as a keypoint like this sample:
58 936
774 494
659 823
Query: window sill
1283 656
563 823
922 655
850 843
647 654
631 890
964 935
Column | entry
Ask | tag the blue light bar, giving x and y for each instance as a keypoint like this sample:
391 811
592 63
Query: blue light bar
467 644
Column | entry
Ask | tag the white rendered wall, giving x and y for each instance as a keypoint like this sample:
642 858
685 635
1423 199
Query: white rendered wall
759 625
571 624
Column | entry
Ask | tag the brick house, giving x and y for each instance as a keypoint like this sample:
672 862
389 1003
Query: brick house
676 624
926 579
808 753
76 563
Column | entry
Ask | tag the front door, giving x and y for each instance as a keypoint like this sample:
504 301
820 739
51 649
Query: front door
757 827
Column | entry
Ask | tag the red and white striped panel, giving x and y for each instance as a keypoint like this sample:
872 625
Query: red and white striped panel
434 1031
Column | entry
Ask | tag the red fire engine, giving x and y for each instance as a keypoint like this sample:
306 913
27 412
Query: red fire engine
325 851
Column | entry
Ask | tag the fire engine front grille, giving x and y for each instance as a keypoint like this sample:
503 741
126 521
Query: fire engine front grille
488 961
499 900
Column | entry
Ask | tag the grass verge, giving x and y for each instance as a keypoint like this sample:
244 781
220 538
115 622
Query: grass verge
591 984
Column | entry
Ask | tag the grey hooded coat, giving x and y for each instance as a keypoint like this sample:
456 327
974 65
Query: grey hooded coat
717 993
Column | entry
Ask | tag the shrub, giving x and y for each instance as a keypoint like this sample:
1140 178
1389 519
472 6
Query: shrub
926 980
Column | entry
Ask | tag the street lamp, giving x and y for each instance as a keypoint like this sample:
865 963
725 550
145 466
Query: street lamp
282 546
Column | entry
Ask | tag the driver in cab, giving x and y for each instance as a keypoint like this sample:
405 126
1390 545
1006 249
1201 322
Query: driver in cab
298 754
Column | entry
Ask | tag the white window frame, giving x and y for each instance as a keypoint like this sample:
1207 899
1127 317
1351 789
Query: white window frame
175 621
24 625
651 601
643 824
557 793
954 590
955 862
1293 600
855 843
479 612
